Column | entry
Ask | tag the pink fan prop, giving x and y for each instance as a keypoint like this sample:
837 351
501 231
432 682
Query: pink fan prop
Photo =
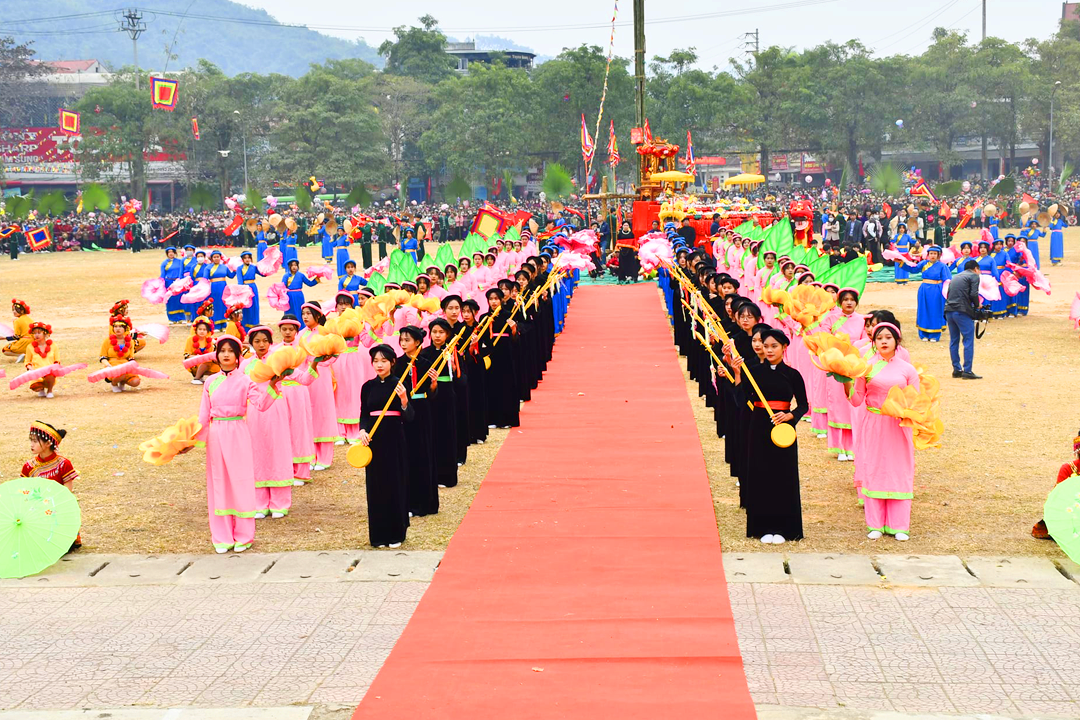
154 292
3 374
278 296
270 263
112 371
988 288
319 272
896 256
6 330
197 294
181 285
151 373
1074 311
38 373
380 267
155 330
233 263
197 360
1010 284
238 295
949 255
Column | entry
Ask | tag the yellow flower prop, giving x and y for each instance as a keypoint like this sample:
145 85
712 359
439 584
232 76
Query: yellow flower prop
808 304
177 437
279 362
836 356
347 326
423 304
324 346
918 410
774 296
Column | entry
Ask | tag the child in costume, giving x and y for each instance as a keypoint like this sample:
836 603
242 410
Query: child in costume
1065 472
234 323
200 342
118 349
46 463
230 473
40 354
20 339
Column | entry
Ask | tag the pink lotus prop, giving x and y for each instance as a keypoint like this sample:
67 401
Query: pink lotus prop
278 296
1010 284
154 292
320 272
270 263
181 285
241 295
233 263
198 293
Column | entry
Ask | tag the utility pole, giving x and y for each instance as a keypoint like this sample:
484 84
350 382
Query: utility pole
754 43
984 20
131 23
984 166
639 71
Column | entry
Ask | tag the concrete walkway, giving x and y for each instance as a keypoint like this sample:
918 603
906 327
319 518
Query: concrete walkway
823 637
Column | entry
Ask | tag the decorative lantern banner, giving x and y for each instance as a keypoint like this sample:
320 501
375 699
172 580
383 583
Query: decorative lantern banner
164 93
69 122
195 127
39 238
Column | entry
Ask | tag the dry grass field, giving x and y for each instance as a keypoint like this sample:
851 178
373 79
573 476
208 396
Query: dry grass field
1005 438
129 506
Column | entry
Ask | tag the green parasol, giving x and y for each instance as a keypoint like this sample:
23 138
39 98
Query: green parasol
39 519
474 242
1062 516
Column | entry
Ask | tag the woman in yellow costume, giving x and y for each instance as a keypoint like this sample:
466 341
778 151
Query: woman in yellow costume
20 338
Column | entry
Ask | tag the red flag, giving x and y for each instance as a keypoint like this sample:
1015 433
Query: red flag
1028 199
887 209
691 163
588 147
237 221
646 131
126 219
612 147
195 127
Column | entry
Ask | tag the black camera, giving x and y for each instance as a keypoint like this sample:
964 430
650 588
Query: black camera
982 318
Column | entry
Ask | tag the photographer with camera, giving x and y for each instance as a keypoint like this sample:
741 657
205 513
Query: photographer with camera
960 313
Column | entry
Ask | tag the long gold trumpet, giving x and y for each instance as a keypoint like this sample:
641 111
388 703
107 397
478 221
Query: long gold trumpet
360 455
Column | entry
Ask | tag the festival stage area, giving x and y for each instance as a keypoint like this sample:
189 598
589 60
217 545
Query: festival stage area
586 579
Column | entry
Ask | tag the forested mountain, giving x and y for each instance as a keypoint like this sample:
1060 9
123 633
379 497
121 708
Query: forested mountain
253 42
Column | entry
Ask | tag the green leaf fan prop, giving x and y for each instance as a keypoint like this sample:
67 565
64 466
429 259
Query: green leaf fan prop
54 204
458 188
376 282
851 274
445 256
95 197
557 183
474 242
253 200
358 196
19 207
1005 187
303 198
886 179
202 197
779 238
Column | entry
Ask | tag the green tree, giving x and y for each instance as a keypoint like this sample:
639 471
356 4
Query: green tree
943 111
1054 60
418 52
405 105
129 128
1001 74
483 123
18 72
770 104
327 126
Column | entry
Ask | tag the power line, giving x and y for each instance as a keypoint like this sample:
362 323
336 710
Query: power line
932 14
794 4
920 25
57 17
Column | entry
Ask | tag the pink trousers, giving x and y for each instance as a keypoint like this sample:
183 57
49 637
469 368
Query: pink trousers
301 471
324 453
887 516
350 432
273 499
230 531
840 441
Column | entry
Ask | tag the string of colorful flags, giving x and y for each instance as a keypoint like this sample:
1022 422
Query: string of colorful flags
603 94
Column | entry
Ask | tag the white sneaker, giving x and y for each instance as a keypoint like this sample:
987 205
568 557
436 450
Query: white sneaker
778 540
240 548
21 358
196 382
442 486
901 536
410 514
479 442
394 546
260 516
277 515
491 427
767 539
339 442
298 483
49 395
319 467
460 464
222 550
115 388
41 393
926 339
821 437
874 534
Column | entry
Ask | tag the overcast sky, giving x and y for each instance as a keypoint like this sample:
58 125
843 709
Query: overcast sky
888 26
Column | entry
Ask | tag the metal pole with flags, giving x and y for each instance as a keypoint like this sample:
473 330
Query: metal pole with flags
691 163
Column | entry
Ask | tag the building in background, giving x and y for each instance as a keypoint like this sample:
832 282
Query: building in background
465 53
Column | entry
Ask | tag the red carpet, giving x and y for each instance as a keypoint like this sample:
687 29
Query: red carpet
585 580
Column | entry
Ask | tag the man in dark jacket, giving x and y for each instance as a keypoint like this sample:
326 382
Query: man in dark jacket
960 317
